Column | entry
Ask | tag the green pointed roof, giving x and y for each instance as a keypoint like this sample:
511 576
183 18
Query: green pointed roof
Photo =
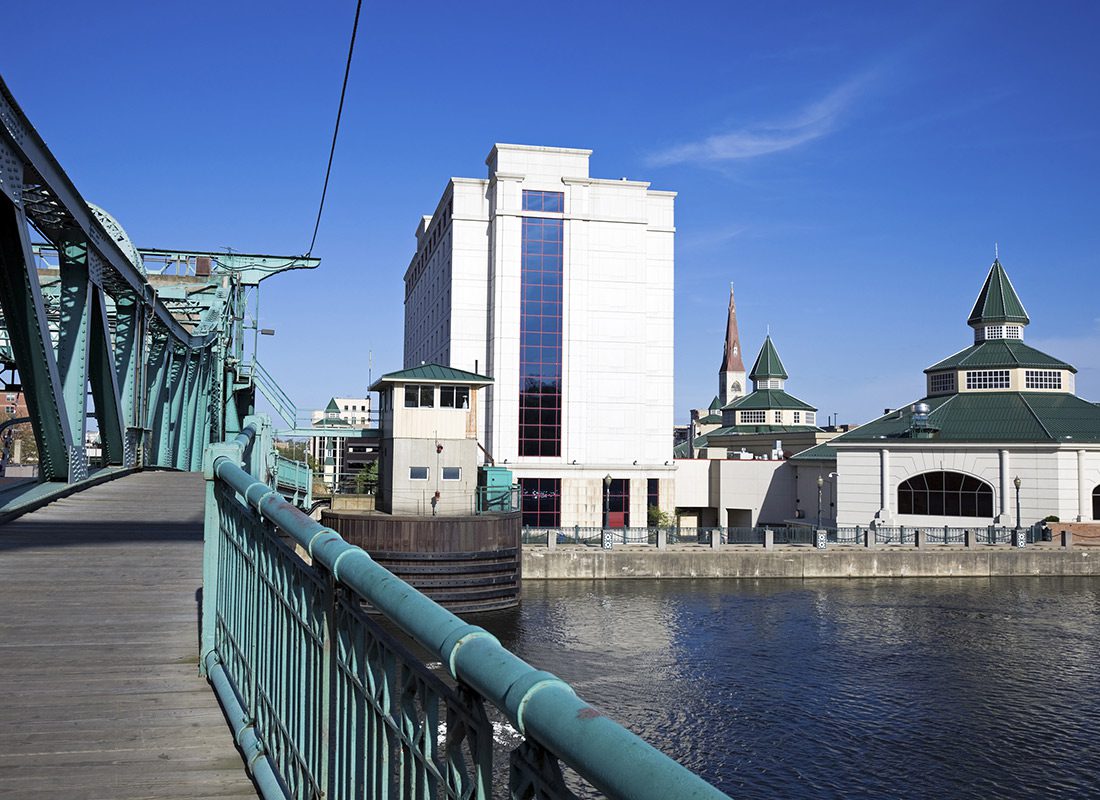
332 406
767 363
1008 353
997 302
432 373
715 404
768 400
990 417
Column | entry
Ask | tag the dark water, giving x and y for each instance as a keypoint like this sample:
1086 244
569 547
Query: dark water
906 688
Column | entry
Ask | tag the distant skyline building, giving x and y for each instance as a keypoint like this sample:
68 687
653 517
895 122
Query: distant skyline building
559 286
330 448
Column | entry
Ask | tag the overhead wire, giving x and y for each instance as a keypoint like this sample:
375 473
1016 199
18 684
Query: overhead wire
336 129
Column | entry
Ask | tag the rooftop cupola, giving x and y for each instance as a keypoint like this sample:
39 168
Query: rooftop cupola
998 312
768 371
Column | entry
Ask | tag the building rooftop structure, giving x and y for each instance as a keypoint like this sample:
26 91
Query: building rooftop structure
999 436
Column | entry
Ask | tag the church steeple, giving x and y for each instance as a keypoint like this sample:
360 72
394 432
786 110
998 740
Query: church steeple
731 375
998 312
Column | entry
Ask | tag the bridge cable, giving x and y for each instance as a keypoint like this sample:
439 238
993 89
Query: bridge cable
336 129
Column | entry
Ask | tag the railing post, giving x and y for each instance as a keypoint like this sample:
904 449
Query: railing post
211 550
769 539
716 539
662 539
551 539
821 539
331 719
869 538
918 538
1019 537
968 538
1067 539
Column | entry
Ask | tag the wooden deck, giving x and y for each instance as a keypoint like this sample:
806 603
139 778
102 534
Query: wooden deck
99 689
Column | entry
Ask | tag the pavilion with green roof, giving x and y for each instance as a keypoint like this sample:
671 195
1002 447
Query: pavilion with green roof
996 411
754 422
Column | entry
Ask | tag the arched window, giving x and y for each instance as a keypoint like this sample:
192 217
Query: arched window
945 494
1096 503
736 387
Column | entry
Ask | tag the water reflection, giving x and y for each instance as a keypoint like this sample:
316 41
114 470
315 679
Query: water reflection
899 688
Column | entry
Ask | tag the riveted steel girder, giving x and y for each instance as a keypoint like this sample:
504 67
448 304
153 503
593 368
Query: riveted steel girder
72 342
29 335
104 385
129 336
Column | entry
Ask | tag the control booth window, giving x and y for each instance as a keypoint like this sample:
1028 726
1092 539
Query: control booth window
418 473
419 395
454 397
452 473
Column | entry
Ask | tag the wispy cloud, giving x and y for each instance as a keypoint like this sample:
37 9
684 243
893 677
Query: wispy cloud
815 120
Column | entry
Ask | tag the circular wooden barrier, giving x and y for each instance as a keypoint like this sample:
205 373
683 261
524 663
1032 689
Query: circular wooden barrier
463 563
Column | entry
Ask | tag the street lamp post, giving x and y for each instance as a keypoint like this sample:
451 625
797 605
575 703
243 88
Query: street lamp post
820 484
1016 482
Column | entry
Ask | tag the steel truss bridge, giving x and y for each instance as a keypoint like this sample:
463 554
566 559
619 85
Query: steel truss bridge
132 586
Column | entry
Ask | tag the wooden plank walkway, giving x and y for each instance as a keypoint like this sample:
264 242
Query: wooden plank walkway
99 689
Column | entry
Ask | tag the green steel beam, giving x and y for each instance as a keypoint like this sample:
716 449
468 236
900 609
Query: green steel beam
129 340
202 428
55 206
104 385
25 320
160 417
72 348
188 423
176 391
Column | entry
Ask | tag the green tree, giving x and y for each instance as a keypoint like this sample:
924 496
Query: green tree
656 518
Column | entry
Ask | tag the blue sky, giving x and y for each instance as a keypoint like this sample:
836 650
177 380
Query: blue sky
848 166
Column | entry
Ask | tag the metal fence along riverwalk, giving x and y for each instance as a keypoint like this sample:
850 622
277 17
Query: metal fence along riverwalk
324 702
913 536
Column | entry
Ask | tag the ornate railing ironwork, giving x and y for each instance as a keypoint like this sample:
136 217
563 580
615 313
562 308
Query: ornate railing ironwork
325 702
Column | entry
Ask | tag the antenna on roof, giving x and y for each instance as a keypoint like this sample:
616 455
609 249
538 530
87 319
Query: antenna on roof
996 255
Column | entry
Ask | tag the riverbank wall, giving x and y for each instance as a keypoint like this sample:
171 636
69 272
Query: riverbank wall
586 563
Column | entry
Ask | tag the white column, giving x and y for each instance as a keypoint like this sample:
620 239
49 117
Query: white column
1006 512
884 481
1084 498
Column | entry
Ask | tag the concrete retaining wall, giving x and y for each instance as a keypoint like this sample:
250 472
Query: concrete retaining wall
590 562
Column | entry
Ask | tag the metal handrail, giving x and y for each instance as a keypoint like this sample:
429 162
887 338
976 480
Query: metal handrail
542 707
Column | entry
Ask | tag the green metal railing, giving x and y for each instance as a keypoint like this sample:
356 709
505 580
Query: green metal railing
295 480
497 499
325 703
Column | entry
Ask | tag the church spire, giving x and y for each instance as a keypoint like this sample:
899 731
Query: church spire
731 375
731 354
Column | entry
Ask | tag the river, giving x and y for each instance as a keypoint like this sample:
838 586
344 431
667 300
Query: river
930 688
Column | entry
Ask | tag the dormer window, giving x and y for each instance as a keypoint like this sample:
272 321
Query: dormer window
941 383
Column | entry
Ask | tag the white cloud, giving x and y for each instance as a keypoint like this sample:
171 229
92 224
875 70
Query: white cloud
812 122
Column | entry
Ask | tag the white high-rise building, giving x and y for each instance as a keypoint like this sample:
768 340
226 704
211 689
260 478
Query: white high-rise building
559 286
